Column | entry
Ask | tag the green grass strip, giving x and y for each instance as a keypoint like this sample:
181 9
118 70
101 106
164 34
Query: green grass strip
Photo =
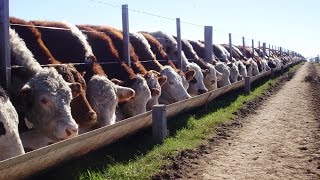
198 127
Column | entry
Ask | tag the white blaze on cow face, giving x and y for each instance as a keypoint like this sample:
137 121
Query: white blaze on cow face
169 44
10 143
242 70
47 97
224 70
234 72
173 89
104 96
138 104
254 66
154 81
212 77
196 86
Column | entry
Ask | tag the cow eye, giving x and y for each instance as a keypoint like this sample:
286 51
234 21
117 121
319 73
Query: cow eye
44 100
171 83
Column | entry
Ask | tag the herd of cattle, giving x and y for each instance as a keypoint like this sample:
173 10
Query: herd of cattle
67 79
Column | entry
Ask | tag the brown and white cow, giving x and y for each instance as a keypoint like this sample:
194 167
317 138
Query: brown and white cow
210 74
80 108
41 93
175 88
170 46
120 72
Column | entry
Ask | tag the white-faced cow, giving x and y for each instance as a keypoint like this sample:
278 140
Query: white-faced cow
169 44
118 71
10 143
80 108
175 88
211 75
41 94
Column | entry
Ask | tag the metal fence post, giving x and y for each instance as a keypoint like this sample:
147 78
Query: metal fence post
230 47
125 32
252 48
244 47
179 42
208 43
159 123
264 49
5 60
247 84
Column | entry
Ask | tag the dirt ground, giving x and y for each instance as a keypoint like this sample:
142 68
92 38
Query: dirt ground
274 137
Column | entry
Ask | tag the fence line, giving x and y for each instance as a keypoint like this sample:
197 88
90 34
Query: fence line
6 72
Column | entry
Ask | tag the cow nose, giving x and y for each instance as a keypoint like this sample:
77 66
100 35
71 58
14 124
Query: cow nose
92 115
201 91
71 131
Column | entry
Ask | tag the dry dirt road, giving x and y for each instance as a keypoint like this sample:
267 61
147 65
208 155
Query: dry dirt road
280 140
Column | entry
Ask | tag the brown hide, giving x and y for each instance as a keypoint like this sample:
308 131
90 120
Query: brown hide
156 47
198 49
199 61
62 44
117 39
103 47
32 38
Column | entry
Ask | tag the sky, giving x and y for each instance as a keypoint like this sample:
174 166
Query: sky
291 24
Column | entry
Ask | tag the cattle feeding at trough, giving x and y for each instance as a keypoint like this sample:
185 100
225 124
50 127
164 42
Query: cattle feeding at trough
80 108
122 74
41 94
169 44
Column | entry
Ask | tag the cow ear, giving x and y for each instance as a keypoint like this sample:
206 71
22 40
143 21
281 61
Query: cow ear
155 72
26 96
75 89
190 75
83 73
124 94
205 71
162 79
26 90
117 81
154 91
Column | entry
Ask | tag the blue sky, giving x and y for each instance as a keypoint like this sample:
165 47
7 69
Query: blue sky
292 24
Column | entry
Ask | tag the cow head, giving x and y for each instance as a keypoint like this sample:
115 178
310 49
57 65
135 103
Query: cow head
211 77
196 85
104 96
10 142
138 104
234 72
81 110
47 97
173 89
254 66
224 70
154 80
242 70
